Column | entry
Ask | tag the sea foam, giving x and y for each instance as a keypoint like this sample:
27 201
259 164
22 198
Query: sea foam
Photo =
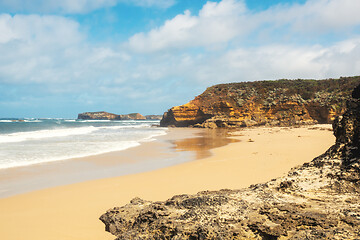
32 135
49 140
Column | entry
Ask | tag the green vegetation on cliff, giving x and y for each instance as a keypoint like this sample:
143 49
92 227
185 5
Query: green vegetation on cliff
306 88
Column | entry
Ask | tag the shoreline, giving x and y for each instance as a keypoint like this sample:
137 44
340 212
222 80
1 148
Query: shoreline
175 147
72 211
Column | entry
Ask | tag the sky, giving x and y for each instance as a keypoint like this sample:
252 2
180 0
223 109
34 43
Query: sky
61 58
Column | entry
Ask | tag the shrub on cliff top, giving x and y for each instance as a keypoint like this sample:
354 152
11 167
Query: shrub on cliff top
305 88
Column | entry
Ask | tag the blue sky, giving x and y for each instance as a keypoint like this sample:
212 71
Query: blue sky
60 58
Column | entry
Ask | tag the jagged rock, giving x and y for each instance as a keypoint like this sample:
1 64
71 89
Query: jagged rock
109 116
319 200
281 103
346 132
356 92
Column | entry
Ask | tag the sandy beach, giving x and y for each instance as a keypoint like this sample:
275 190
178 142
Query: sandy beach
251 156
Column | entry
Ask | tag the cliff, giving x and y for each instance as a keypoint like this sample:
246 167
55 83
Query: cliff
110 116
319 200
281 102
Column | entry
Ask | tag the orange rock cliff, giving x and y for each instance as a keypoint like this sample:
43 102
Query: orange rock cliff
274 103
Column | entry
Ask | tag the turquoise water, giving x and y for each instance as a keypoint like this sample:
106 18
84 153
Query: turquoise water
33 141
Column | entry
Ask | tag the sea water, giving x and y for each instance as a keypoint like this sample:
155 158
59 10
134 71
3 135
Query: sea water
33 141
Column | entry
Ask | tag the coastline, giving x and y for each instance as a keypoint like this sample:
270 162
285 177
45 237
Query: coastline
72 211
175 147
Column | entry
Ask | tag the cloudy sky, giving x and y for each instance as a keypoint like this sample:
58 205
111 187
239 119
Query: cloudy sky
59 58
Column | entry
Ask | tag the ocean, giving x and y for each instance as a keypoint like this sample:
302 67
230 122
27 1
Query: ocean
32 141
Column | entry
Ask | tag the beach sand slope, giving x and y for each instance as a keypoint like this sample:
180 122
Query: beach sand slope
72 211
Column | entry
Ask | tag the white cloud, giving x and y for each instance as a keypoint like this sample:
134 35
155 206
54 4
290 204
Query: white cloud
47 49
220 23
73 6
314 17
6 32
40 29
281 61
328 14
216 23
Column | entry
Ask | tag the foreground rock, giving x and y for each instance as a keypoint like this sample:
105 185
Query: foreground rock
281 103
110 116
319 200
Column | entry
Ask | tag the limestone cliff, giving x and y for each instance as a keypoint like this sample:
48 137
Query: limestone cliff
319 200
281 102
110 116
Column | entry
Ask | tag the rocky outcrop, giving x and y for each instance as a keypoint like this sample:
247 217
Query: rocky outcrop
97 116
319 200
153 117
110 116
132 116
282 103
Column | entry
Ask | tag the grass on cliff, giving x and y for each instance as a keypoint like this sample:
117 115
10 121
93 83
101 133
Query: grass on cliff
306 88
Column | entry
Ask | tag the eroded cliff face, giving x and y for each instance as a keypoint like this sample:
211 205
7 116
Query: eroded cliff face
109 116
281 103
319 200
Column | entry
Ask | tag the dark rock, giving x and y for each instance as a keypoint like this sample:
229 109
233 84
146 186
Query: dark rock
356 93
346 131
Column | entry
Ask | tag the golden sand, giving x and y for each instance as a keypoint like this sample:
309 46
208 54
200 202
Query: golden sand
72 211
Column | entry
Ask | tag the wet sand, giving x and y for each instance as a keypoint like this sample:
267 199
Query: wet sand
178 146
72 211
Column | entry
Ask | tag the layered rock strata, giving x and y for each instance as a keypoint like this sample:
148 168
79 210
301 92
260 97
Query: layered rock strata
109 116
319 200
281 103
